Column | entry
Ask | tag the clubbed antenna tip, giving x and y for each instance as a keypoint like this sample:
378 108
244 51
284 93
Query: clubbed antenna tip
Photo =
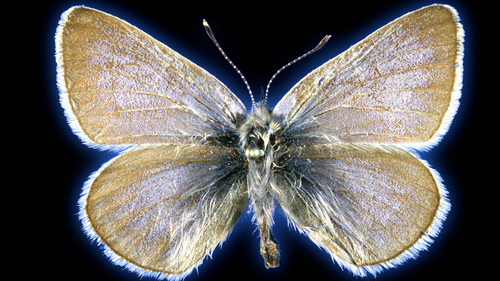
211 35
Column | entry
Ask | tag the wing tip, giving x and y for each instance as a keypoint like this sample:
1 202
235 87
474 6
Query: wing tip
61 83
71 118
456 92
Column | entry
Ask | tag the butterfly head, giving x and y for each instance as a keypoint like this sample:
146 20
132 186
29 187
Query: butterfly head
258 133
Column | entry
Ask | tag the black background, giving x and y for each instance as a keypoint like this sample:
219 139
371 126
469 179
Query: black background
49 164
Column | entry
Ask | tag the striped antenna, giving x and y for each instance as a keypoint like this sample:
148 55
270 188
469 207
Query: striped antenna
319 46
211 35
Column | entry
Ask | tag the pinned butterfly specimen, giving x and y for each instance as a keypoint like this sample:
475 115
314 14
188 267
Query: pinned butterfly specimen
337 154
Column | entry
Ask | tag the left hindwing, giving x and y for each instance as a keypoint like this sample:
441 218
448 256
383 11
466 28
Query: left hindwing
160 210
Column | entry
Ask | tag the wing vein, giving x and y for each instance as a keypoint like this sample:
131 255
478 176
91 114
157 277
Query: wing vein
173 197
371 81
388 109
136 110
364 211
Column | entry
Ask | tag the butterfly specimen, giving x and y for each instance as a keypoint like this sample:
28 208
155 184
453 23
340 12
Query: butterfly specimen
337 154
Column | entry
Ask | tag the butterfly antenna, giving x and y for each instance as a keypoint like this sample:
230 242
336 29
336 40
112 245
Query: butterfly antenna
211 35
319 46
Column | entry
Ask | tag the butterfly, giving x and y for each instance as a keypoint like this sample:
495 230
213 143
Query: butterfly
337 154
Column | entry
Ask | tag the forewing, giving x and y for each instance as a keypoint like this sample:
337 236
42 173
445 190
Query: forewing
161 209
368 206
400 85
119 86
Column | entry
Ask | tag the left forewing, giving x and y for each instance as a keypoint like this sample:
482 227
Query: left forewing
121 87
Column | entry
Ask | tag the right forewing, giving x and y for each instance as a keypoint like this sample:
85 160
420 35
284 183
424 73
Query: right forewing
400 85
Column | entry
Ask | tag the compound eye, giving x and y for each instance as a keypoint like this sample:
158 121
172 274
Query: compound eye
254 153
